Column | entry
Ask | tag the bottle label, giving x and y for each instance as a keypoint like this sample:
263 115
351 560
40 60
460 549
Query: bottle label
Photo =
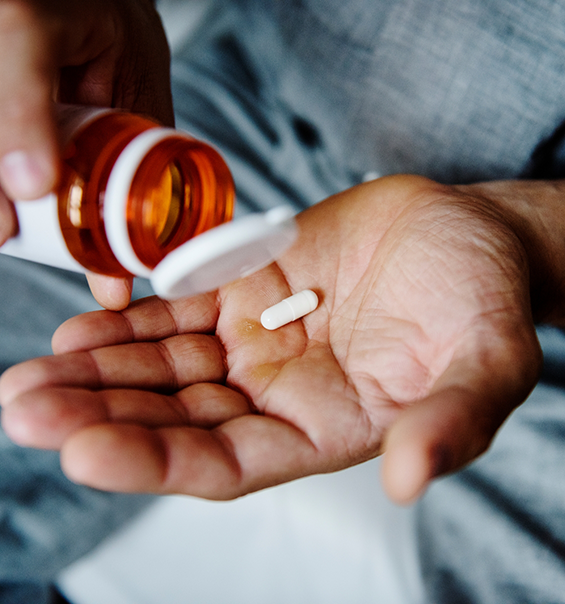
40 238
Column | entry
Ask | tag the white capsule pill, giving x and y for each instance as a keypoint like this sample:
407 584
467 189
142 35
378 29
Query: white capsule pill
289 309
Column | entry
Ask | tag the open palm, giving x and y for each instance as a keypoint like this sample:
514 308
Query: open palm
422 344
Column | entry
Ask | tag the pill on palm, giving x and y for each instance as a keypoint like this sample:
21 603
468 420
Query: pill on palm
290 309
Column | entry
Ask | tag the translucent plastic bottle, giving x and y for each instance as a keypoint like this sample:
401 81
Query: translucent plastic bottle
130 192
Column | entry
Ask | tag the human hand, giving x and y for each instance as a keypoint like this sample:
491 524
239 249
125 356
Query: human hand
422 345
109 53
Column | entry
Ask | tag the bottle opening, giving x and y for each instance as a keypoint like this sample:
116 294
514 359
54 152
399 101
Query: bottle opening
180 189
165 204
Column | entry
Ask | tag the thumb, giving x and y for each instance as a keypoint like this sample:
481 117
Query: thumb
457 421
28 142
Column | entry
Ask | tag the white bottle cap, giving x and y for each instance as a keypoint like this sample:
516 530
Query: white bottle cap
225 253
206 262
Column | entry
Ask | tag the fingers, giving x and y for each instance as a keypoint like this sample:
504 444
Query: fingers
28 142
149 319
243 455
46 419
458 420
46 399
112 293
166 366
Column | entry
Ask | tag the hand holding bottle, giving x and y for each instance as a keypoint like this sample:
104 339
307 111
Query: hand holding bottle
95 52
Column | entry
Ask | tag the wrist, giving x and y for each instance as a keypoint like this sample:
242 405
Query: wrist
535 210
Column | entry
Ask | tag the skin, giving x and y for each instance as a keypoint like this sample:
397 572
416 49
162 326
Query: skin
111 53
422 345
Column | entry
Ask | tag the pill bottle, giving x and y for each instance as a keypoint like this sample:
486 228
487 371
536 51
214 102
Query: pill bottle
130 192
135 198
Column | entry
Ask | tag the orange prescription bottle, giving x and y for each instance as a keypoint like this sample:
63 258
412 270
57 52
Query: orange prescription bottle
135 198
130 192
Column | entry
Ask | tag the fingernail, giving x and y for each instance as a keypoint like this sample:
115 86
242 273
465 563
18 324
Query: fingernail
24 175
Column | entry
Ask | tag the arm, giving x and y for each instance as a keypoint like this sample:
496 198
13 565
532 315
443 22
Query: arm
422 345
97 52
